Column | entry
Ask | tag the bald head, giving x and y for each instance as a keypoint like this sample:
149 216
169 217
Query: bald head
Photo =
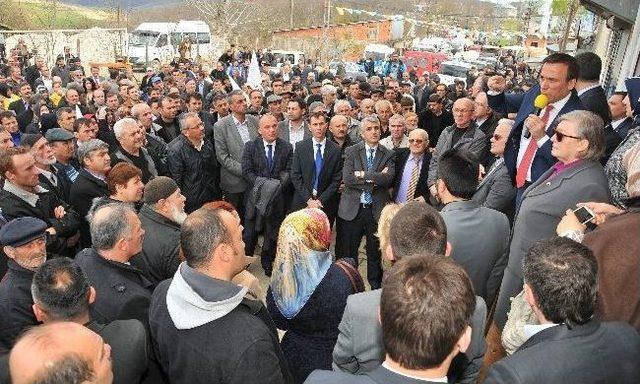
463 110
268 128
338 127
45 352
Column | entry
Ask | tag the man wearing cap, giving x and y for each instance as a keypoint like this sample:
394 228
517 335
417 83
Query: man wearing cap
23 196
161 217
274 106
91 182
61 142
24 243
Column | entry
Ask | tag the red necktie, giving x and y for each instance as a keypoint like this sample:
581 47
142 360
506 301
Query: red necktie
527 159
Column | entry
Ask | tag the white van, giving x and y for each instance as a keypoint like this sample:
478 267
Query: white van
160 42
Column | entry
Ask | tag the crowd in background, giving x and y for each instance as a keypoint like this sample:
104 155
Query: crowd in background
131 210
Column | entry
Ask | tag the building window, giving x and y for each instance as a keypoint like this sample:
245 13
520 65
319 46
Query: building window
372 33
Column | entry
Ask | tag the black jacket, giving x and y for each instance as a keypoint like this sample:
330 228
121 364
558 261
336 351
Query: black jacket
13 207
422 189
15 304
595 100
83 191
157 149
194 171
122 291
159 259
62 188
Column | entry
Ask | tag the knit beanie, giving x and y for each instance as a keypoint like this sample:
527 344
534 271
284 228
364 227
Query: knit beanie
159 188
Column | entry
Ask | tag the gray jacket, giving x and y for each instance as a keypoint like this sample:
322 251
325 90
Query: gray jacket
479 237
472 143
496 190
229 147
359 346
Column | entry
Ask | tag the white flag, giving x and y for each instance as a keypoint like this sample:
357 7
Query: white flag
253 77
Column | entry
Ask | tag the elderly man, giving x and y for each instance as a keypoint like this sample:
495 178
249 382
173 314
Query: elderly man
23 196
24 242
495 190
61 292
294 128
486 120
343 108
329 96
384 111
72 100
338 127
568 342
367 108
201 319
130 148
94 158
412 169
154 144
462 135
366 192
44 352
49 177
231 133
266 165
397 137
61 142
122 290
192 163
161 217
66 118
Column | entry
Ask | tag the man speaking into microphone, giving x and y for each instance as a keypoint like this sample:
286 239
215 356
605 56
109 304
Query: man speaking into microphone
527 152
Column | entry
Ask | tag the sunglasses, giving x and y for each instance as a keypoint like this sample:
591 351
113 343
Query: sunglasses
560 136
416 141
497 137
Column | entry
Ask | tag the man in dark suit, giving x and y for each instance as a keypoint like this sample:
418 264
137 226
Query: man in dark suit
416 228
22 107
316 170
294 128
368 172
418 323
567 344
617 130
590 92
412 169
61 292
496 190
479 236
527 153
266 163
421 93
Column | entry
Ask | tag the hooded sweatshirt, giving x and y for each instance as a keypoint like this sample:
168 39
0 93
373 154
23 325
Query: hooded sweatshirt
205 331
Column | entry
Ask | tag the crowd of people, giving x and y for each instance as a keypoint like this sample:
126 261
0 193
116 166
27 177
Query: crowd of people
131 210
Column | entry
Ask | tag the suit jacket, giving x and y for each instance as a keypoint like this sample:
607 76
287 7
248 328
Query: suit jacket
523 105
229 147
473 143
303 174
496 191
359 347
479 237
587 354
283 131
380 375
23 116
422 189
421 96
544 204
377 182
81 195
624 127
595 100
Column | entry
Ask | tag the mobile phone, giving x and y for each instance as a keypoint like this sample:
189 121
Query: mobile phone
584 214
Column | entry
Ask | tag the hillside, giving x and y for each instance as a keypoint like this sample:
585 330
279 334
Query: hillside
50 14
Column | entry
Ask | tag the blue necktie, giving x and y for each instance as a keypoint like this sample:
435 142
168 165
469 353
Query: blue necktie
318 163
269 156
367 195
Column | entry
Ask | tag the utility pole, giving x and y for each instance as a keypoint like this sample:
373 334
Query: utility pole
290 14
573 9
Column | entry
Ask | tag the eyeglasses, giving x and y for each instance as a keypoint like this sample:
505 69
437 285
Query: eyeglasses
560 136
416 141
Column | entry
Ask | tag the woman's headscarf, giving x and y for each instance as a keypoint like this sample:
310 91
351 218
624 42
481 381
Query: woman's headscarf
302 259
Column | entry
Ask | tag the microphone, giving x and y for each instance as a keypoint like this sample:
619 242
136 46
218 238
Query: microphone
539 103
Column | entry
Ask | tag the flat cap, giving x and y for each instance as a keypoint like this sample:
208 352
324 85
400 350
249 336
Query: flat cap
58 134
21 231
273 98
